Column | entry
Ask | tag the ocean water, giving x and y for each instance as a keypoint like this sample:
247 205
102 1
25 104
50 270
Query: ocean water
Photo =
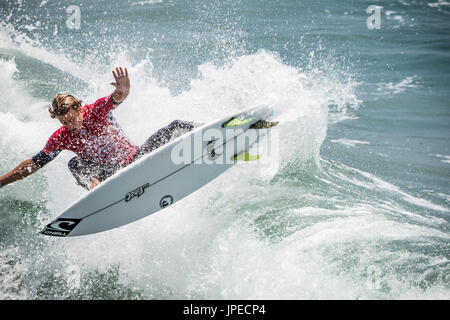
359 207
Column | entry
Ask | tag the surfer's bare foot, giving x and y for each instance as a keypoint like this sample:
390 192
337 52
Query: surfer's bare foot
94 183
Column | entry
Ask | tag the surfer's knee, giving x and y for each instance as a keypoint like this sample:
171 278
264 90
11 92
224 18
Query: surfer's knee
73 163
180 124
175 123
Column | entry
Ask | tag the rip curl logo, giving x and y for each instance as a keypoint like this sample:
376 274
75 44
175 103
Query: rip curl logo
136 192
61 227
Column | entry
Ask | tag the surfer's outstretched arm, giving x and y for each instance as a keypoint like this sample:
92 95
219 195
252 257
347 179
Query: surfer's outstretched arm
122 85
23 170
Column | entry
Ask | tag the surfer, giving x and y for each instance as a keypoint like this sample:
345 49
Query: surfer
92 133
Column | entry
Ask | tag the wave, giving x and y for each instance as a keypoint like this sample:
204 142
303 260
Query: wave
315 229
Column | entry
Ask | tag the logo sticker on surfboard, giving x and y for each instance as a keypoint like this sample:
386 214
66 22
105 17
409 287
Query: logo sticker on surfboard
136 192
166 201
61 227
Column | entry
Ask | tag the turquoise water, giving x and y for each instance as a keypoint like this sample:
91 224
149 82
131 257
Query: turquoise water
358 208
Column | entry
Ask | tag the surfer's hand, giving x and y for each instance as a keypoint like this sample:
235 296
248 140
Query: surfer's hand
94 183
122 84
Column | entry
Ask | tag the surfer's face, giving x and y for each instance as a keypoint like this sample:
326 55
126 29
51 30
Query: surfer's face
72 120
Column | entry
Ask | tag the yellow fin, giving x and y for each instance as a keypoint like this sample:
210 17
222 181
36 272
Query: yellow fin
245 156
235 122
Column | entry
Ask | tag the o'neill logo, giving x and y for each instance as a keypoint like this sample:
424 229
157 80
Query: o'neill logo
166 201
136 192
61 227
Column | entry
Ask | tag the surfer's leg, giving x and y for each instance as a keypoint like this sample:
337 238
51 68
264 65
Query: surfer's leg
84 171
175 129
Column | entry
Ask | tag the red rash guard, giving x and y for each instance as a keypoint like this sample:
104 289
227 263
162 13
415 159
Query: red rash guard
99 141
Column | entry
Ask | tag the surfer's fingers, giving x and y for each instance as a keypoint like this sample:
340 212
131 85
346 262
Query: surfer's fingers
115 76
126 72
122 74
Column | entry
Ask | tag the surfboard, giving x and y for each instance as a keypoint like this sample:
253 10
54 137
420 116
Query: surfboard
164 176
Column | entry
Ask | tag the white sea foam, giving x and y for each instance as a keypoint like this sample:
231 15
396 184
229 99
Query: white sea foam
12 272
446 197
23 131
21 44
17 98
391 15
445 159
349 142
380 184
395 88
439 3
141 3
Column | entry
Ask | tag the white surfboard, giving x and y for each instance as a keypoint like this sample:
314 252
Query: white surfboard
161 177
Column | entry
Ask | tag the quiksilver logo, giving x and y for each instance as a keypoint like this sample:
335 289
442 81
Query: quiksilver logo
136 192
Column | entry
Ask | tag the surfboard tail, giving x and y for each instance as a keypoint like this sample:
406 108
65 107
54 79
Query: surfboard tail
263 124
245 156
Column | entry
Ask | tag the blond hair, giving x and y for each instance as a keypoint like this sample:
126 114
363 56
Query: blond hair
62 103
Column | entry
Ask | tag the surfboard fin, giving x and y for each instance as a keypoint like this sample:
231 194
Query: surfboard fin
263 124
245 156
235 122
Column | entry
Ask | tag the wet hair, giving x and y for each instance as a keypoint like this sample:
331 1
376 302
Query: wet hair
62 103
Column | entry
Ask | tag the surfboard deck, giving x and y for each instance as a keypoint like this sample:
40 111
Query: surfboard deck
161 177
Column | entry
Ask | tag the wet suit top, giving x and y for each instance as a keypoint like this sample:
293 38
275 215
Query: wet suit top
99 141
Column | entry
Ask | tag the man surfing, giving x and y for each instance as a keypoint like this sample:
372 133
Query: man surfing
91 132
